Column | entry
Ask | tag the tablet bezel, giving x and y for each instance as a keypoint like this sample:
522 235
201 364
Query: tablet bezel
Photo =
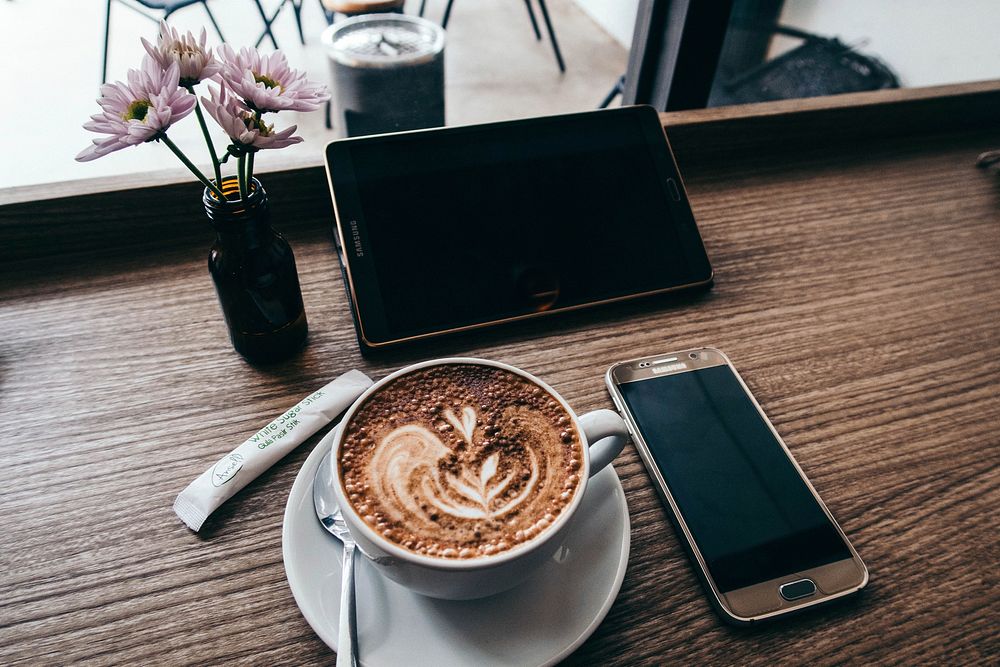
359 269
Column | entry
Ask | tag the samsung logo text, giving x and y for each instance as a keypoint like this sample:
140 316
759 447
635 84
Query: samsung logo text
669 367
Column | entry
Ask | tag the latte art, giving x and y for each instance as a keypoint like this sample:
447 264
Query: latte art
460 460
408 457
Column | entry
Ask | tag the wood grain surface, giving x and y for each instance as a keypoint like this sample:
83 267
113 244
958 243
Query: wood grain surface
857 282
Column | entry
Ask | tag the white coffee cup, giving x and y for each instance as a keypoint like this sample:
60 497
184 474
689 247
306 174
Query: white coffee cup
603 434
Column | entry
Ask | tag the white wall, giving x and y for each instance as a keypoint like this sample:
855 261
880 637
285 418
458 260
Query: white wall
617 17
926 42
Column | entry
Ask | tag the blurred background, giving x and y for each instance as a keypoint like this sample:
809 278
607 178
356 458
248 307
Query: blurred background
502 59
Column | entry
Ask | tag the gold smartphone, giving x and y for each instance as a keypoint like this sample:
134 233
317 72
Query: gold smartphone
761 539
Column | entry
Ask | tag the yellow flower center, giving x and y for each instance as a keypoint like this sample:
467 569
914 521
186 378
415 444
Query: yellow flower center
268 81
254 123
137 110
185 49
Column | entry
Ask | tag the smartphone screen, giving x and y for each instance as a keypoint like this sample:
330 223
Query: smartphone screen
748 509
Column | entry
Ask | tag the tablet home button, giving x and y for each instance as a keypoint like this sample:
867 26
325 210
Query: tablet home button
538 286
797 589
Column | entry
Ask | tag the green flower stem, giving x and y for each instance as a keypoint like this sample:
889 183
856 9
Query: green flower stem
208 138
256 117
241 174
190 165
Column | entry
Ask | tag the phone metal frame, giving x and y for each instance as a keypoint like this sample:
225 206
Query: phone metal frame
762 600
346 265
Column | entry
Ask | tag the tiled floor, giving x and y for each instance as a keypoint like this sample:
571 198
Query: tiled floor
52 48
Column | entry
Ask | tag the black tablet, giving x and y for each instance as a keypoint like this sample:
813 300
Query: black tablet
451 229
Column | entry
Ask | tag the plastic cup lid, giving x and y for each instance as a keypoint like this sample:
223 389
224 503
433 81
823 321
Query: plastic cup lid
383 40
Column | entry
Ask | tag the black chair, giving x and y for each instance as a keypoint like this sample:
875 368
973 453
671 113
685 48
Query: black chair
330 9
268 20
168 7
531 15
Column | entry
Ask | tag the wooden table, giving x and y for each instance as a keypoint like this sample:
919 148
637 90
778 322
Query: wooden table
857 254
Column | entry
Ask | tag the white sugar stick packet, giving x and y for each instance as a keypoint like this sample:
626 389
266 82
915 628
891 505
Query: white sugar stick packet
264 448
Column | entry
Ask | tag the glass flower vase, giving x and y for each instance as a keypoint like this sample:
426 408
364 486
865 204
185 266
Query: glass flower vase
253 269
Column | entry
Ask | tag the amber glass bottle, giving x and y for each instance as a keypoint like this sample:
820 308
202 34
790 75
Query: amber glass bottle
254 273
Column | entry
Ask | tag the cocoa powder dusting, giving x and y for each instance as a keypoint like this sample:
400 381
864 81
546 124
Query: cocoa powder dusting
460 460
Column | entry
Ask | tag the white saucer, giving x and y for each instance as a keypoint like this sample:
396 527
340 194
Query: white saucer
540 622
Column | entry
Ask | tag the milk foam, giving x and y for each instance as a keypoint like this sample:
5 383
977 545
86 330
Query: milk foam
460 460
407 459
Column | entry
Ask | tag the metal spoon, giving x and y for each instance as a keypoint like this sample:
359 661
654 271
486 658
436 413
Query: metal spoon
333 520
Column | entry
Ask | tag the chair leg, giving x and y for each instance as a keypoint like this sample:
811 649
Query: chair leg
297 10
326 12
107 32
447 14
617 90
552 35
211 17
267 25
423 6
534 22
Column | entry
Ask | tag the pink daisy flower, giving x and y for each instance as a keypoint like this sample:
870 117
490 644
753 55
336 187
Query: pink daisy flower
243 126
196 62
138 111
267 83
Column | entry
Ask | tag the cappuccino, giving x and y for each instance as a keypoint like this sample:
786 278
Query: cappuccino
460 460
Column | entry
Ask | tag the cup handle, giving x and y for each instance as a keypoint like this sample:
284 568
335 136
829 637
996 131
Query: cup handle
607 434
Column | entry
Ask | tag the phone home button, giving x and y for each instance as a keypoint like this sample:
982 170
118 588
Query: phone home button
797 589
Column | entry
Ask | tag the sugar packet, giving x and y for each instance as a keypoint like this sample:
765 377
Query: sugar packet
264 448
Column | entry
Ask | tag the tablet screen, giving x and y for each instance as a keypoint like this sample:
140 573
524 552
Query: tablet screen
450 228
